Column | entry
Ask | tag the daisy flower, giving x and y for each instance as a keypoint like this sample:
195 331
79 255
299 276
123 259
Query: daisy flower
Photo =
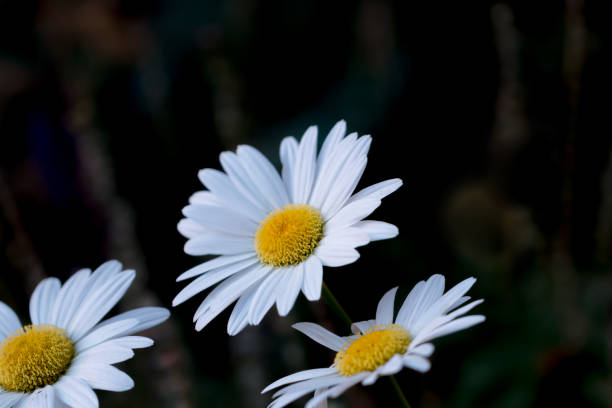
272 232
67 352
382 346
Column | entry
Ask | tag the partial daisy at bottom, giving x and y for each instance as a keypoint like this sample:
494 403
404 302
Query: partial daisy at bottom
67 351
382 346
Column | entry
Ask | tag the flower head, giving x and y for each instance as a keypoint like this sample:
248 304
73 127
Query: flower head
273 233
384 345
67 351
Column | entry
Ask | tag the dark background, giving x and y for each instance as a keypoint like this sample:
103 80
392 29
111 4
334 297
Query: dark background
494 114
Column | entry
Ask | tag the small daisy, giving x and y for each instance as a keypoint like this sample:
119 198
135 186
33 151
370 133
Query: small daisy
67 352
381 346
274 233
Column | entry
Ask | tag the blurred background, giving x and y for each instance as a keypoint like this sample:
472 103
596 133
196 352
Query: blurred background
494 114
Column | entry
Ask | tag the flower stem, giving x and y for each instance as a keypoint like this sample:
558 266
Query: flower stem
399 392
331 300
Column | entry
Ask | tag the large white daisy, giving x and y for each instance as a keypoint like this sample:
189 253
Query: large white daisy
67 352
382 346
274 233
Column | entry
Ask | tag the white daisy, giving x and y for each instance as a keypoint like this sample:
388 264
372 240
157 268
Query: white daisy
381 346
67 352
274 233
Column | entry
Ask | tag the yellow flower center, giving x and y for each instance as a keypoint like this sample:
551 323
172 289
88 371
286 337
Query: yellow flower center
372 350
33 357
289 235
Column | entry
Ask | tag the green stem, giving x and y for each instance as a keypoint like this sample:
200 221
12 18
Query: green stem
399 392
331 300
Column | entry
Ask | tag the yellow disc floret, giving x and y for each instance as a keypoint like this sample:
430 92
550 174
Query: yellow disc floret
289 235
372 350
33 357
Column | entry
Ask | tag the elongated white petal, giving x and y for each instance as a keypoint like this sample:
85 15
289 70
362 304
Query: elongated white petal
219 244
313 278
222 187
336 255
300 376
147 317
288 153
305 167
239 318
320 335
342 189
266 176
9 322
362 327
377 230
42 300
221 219
75 392
9 399
417 363
211 278
70 297
133 342
103 377
264 297
351 237
104 333
289 289
213 264
384 311
40 398
378 191
241 180
414 308
454 326
351 214
424 350
335 391
392 366
109 352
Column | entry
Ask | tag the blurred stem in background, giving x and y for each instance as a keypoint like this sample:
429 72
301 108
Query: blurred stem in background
331 300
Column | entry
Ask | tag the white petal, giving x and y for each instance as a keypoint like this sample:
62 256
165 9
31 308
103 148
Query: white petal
344 186
222 187
99 302
333 255
384 311
212 264
331 141
461 301
305 167
9 322
377 230
351 237
240 177
288 153
337 390
417 363
41 398
414 307
266 176
70 297
392 366
219 244
221 219
75 392
42 300
289 289
295 391
109 352
206 198
454 326
190 228
103 377
424 350
133 342
313 278
211 278
351 214
441 305
103 333
300 376
320 335
378 191
264 297
362 327
226 293
147 317
9 399
239 318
